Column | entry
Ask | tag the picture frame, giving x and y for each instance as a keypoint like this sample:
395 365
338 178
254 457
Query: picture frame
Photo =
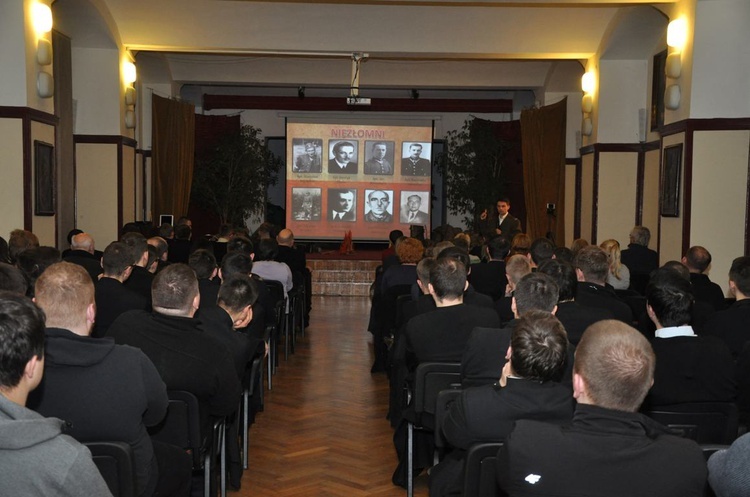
658 87
44 179
670 186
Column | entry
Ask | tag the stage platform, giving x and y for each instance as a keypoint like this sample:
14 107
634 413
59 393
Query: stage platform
346 275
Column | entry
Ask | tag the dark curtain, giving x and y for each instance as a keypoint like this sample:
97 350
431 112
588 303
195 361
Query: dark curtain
209 130
543 132
510 133
172 154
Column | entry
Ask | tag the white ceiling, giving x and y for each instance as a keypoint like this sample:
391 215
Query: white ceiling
439 45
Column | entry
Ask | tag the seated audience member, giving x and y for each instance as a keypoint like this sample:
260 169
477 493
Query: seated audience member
520 244
106 392
166 231
697 260
112 297
239 263
19 241
11 279
564 254
489 278
69 238
731 325
296 260
203 263
483 357
140 279
727 469
233 311
689 368
240 243
471 296
267 268
609 449
391 250
409 252
32 263
541 250
577 245
162 251
437 336
83 252
592 268
186 357
35 457
619 275
526 390
179 246
574 316
4 251
638 257
516 267
393 260
463 241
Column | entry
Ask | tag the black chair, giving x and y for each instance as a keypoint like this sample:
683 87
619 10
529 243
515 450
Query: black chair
253 385
116 463
480 470
704 422
429 380
276 288
181 427
444 401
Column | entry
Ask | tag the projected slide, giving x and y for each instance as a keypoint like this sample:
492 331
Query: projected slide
369 179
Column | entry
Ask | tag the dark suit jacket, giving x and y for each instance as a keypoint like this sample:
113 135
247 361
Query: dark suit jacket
140 282
731 325
90 262
217 322
705 290
420 218
510 226
333 168
209 290
487 414
292 257
576 318
348 216
640 259
112 299
420 168
594 295
691 369
489 278
621 454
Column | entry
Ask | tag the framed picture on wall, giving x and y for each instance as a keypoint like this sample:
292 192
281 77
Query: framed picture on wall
44 179
658 86
670 185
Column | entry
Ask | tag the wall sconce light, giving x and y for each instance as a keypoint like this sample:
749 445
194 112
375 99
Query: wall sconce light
676 38
130 119
41 18
128 73
588 84
130 96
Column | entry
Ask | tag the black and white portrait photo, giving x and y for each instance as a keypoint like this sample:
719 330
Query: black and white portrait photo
379 157
307 155
342 156
342 204
306 204
415 208
379 206
415 158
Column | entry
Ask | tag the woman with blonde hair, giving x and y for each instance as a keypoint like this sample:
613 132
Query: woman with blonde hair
619 274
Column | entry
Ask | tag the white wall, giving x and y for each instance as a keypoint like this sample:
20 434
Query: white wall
12 54
622 91
97 91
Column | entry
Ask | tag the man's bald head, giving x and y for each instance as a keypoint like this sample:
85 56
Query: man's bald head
285 237
83 241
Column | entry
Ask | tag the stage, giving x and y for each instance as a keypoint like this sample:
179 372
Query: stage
347 275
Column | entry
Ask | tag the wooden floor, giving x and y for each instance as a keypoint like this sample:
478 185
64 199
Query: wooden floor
324 432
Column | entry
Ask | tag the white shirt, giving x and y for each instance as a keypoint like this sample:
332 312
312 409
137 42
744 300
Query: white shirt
675 331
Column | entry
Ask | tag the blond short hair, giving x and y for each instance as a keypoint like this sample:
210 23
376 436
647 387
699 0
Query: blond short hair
64 291
517 267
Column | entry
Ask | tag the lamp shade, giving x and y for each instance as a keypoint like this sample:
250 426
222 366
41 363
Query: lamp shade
128 73
45 84
588 127
673 66
588 82
672 97
587 103
130 96
129 119
44 52
677 33
41 17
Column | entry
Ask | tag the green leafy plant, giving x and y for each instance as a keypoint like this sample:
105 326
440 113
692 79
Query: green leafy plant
232 181
472 165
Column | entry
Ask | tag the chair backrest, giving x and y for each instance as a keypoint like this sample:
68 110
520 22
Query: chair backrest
704 422
115 462
429 379
181 426
444 401
480 470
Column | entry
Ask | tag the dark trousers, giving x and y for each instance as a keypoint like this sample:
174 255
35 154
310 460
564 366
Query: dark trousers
175 470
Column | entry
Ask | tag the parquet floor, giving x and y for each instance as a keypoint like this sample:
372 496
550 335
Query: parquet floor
323 431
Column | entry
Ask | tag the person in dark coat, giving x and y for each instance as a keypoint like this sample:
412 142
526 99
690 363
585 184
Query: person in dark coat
609 448
526 390
731 325
112 297
489 278
203 263
140 278
83 252
697 260
592 267
638 257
